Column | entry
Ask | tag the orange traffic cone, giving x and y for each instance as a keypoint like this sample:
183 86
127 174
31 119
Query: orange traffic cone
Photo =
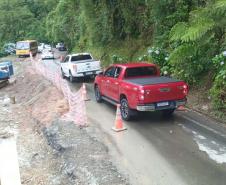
84 92
61 58
118 121
181 108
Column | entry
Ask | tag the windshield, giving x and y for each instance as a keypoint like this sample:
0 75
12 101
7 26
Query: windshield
80 57
22 45
140 71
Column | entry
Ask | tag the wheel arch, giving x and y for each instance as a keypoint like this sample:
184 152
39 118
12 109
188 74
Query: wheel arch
97 85
122 96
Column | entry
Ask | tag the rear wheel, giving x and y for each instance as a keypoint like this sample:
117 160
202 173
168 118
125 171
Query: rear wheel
126 112
168 112
97 94
71 78
62 74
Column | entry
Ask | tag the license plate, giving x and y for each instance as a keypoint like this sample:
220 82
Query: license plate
89 73
161 104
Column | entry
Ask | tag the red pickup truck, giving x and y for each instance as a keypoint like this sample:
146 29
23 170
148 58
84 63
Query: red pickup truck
139 87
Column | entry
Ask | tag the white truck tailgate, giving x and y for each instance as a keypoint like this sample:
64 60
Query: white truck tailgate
87 66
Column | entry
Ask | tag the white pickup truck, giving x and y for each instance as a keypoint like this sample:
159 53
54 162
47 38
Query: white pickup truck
79 65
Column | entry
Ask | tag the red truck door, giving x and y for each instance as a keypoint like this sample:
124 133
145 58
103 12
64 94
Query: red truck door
114 84
106 82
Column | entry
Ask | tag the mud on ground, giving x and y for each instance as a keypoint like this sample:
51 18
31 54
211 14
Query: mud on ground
199 100
51 151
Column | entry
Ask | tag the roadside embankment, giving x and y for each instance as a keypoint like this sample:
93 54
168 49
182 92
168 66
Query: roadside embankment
51 150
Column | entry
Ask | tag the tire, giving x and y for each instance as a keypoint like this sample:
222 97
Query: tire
71 78
97 94
168 112
62 74
126 112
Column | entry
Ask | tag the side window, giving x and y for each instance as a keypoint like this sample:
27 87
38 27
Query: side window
110 72
117 72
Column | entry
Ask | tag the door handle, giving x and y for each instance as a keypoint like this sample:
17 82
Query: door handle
108 81
116 83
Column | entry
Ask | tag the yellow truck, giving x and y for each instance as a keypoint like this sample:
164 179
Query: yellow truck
27 47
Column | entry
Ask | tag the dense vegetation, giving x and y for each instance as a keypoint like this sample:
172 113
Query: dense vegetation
185 37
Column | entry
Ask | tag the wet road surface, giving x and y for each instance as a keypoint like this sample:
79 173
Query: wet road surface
185 149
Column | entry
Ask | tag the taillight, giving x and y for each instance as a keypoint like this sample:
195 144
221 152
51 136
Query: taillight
74 67
141 94
184 88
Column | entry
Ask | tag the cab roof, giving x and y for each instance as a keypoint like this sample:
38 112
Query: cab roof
134 64
27 41
76 54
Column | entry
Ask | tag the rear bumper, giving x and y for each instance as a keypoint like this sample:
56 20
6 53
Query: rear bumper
87 73
23 53
47 57
62 49
160 105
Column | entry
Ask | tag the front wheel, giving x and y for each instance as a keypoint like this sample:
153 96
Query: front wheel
97 94
126 112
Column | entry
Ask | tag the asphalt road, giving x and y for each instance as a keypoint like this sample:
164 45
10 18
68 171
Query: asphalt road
188 148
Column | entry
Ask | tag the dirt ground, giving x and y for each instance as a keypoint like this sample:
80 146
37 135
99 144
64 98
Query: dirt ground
51 151
199 100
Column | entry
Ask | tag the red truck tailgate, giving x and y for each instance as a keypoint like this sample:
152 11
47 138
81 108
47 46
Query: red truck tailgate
158 89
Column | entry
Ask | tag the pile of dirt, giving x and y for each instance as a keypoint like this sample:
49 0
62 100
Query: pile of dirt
44 102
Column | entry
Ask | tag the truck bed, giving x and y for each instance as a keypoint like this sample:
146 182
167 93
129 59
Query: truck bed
152 80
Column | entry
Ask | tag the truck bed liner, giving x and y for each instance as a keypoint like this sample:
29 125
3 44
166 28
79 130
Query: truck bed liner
83 61
152 80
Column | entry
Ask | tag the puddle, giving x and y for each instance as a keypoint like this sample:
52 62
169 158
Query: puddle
4 100
9 168
214 149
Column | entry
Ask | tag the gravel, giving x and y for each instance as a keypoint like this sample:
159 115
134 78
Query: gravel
85 160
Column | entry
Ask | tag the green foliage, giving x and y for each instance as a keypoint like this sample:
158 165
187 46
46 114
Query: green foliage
157 56
196 41
218 91
64 25
118 59
178 31
23 20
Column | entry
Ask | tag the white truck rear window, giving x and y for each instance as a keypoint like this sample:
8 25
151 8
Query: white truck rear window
80 57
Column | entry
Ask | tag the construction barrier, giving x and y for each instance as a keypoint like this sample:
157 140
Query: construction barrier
76 100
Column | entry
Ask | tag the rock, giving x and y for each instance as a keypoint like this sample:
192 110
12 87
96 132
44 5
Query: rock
13 100
205 107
